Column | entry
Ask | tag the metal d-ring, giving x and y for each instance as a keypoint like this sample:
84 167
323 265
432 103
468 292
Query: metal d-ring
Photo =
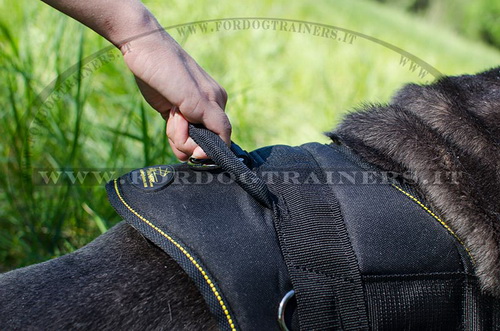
202 164
205 164
281 310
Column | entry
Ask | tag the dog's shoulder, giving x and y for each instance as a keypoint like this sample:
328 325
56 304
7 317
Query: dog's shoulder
446 137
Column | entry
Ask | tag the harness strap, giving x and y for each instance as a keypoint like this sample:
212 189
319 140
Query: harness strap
313 238
227 160
317 250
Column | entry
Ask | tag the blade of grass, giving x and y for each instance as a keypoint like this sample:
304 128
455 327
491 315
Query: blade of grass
146 143
78 102
99 221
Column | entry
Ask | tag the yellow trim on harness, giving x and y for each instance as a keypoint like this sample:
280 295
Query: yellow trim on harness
437 218
186 253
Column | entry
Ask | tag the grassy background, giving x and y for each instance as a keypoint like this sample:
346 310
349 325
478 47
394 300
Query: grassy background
283 87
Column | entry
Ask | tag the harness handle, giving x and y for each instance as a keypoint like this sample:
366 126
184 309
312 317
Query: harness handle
218 151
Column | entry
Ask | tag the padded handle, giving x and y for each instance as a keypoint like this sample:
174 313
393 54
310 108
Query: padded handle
218 151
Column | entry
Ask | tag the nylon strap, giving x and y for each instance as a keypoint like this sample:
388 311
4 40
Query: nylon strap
320 259
313 238
218 151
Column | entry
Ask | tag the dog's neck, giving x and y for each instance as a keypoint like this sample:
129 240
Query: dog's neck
446 137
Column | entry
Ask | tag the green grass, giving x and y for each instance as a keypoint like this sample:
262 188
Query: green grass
283 87
479 19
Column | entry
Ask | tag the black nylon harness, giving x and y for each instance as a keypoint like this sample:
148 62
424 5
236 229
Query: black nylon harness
319 256
338 246
313 238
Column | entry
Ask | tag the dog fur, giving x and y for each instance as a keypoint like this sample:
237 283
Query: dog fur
444 137
120 281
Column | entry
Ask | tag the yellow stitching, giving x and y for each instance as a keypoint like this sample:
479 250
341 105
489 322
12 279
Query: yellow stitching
437 218
193 261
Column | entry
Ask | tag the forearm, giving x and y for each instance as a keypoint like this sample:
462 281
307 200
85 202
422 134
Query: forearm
169 79
115 20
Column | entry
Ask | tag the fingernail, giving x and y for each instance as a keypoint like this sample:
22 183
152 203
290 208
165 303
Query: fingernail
198 153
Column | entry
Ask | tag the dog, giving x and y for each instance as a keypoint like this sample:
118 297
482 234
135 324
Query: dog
122 280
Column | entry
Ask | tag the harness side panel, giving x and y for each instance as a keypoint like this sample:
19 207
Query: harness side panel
219 235
390 232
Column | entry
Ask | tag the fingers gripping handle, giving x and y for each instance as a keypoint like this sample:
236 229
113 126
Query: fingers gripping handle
218 151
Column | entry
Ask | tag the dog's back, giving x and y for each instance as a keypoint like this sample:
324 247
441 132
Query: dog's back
120 281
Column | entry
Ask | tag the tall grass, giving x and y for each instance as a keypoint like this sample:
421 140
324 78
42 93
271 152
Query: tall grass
73 131
66 107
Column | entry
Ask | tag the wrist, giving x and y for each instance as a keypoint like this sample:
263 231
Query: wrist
130 23
147 39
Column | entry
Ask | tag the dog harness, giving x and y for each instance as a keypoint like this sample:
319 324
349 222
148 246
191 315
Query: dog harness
308 238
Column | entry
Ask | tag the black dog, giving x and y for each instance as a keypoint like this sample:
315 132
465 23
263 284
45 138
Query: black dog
449 129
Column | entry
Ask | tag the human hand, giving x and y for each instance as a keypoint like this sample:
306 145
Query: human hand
179 89
170 80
